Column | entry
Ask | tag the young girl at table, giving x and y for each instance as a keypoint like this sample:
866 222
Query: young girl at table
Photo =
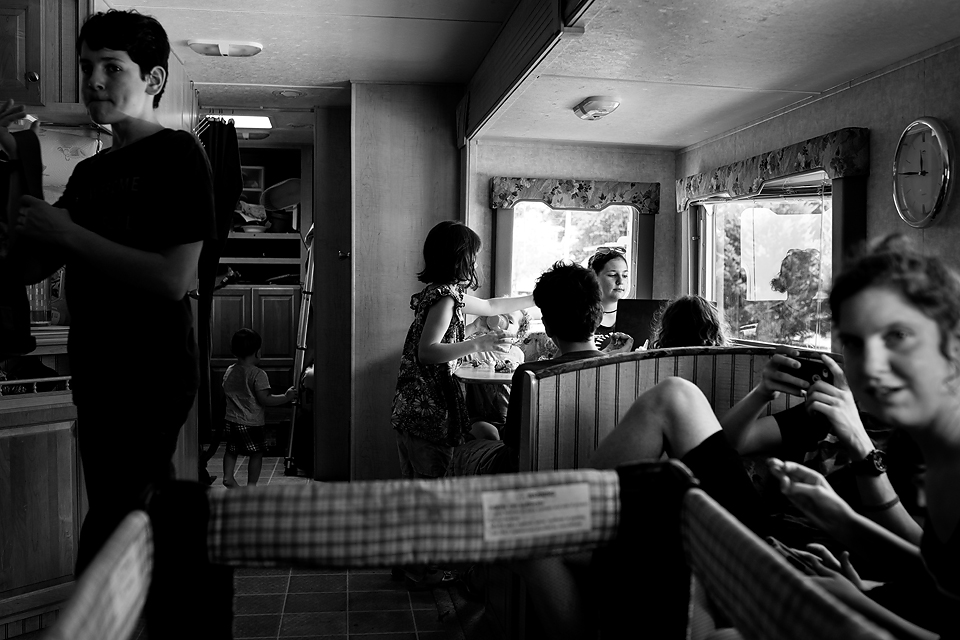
429 410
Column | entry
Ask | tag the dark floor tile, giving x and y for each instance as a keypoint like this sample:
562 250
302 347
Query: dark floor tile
263 626
318 583
320 624
423 600
412 635
431 635
261 584
258 603
431 621
380 621
258 572
379 601
307 571
369 570
375 582
314 602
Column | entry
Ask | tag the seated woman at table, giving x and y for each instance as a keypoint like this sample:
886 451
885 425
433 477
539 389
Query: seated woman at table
487 403
613 274
569 298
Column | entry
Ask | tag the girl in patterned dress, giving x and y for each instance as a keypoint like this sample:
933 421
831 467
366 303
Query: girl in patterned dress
429 410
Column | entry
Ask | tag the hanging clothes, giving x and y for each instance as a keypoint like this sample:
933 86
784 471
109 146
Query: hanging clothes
219 139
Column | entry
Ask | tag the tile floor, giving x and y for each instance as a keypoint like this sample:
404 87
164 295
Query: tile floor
339 605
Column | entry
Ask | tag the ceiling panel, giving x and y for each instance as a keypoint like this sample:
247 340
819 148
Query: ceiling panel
659 115
685 70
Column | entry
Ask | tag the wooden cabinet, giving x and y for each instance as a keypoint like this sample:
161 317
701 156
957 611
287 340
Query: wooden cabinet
42 504
38 62
271 311
21 50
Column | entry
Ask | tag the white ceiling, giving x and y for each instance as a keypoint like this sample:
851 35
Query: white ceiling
684 70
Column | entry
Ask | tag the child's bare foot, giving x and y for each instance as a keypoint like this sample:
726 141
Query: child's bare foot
230 484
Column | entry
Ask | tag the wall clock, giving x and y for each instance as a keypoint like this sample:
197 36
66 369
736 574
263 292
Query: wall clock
922 172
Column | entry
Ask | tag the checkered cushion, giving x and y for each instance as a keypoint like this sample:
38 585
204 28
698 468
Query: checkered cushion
111 592
754 587
393 522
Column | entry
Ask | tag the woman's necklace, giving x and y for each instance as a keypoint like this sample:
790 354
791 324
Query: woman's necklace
614 311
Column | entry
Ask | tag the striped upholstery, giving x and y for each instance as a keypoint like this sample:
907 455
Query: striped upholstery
396 522
762 595
569 408
111 592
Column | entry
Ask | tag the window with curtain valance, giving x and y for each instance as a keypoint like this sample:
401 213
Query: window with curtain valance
768 232
542 220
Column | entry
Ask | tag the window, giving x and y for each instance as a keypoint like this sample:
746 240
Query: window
532 236
767 262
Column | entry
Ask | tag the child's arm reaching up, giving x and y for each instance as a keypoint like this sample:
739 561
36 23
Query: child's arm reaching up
267 399
495 306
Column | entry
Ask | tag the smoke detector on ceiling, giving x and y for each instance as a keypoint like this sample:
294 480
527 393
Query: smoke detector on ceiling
225 48
288 93
596 107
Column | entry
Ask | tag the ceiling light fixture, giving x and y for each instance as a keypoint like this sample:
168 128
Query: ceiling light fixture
252 135
596 107
288 93
225 48
246 122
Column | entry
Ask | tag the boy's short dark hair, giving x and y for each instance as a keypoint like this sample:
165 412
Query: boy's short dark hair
245 342
570 299
141 37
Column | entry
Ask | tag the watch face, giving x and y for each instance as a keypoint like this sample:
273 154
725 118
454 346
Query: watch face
919 181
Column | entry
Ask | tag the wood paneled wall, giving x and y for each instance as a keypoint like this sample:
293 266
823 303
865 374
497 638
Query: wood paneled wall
406 169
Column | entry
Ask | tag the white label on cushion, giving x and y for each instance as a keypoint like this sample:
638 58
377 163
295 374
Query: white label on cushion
540 511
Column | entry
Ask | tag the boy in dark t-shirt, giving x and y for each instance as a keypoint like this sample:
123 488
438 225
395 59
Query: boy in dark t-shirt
129 228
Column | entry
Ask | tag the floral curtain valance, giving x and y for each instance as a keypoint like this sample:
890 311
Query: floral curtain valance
574 194
842 153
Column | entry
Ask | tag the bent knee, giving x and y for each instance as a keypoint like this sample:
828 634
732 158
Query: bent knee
677 392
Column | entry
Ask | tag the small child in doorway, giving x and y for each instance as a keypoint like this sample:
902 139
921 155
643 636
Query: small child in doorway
247 391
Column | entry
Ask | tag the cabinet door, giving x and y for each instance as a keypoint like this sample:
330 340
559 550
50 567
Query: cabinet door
231 312
276 314
38 506
21 46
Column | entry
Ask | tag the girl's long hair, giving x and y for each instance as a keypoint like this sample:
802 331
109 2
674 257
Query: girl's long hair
450 255
688 321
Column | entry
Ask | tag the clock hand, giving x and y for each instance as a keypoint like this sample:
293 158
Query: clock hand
912 173
921 164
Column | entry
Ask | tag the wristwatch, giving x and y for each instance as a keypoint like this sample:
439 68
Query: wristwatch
874 464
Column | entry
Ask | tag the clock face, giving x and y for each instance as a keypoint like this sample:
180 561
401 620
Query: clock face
920 179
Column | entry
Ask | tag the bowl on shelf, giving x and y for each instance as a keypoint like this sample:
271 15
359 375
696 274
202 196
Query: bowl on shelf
255 228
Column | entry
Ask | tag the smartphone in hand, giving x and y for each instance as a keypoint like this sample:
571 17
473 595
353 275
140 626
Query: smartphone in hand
812 368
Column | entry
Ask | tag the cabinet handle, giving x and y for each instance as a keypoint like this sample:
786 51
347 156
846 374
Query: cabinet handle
341 255
32 76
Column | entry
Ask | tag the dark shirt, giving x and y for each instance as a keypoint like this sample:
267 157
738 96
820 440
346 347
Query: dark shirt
152 195
804 437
